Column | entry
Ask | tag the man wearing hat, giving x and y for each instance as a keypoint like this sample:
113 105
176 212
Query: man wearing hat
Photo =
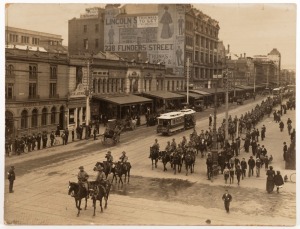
83 178
11 177
227 198
258 166
251 163
123 159
155 147
173 145
109 159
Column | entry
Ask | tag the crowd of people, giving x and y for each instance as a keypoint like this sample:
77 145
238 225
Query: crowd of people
37 141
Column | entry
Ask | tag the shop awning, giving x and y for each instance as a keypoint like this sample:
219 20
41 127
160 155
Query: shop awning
212 90
204 93
192 95
123 99
245 87
163 95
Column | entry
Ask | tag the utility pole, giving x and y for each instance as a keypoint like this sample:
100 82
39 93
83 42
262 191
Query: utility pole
187 79
254 79
88 110
226 102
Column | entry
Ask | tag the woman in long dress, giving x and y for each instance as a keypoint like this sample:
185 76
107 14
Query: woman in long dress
270 179
278 180
166 20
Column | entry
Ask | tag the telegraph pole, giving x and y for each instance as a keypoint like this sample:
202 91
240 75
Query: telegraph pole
187 79
88 110
226 102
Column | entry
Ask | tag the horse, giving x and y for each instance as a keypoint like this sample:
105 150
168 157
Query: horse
154 154
165 158
189 160
121 169
97 192
177 160
78 192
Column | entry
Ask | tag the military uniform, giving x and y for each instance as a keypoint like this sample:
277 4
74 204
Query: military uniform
83 177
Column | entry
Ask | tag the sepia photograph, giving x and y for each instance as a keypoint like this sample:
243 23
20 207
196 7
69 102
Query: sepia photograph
149 114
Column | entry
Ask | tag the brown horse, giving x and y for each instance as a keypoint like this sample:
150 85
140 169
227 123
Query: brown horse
78 192
98 192
122 169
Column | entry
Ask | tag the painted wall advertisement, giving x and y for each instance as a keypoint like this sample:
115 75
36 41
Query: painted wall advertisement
160 35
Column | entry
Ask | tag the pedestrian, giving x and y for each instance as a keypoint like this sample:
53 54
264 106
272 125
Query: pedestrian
244 168
73 135
63 136
210 119
238 173
254 147
278 181
231 175
270 179
226 174
52 137
95 133
38 139
251 163
266 162
257 135
33 141
227 198
67 136
285 149
281 126
258 166
11 177
221 161
263 133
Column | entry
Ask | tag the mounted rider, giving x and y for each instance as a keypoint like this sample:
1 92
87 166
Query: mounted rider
109 160
83 178
168 148
184 141
155 147
173 145
100 179
123 159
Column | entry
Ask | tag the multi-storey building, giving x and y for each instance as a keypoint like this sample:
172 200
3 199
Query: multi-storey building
275 56
86 33
265 71
35 90
287 77
154 33
33 39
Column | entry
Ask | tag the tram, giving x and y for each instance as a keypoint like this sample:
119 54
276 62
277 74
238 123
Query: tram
172 122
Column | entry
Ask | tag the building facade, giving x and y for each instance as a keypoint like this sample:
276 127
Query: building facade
86 33
35 91
165 34
265 71
275 56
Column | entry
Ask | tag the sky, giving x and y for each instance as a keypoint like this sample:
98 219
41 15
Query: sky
254 29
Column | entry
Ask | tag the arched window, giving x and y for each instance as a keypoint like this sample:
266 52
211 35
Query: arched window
104 84
34 118
24 119
44 116
53 113
94 85
99 85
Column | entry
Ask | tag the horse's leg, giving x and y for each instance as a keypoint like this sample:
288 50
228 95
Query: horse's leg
156 160
85 203
101 205
128 176
105 199
152 163
174 168
94 203
187 168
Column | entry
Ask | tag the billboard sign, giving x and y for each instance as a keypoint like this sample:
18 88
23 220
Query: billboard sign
160 36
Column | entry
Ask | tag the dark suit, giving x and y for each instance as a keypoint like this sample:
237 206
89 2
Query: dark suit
227 198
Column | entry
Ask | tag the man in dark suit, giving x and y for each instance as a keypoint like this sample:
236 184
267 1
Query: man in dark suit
227 198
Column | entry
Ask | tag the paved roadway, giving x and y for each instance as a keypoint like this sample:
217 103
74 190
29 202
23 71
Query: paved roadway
41 198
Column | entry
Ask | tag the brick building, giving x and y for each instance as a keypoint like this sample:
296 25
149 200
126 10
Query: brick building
86 33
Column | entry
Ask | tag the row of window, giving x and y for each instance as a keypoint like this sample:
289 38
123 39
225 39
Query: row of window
33 71
202 73
35 115
201 27
86 43
32 90
205 58
30 40
96 28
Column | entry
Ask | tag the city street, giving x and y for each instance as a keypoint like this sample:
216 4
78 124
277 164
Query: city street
152 197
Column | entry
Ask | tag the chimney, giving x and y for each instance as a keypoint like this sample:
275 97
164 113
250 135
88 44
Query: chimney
228 48
244 55
241 55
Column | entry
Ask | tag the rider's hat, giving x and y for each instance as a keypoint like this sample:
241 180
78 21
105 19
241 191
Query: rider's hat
108 152
123 152
99 168
81 167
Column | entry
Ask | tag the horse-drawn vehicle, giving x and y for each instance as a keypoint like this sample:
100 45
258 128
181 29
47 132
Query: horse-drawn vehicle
240 100
129 123
112 132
